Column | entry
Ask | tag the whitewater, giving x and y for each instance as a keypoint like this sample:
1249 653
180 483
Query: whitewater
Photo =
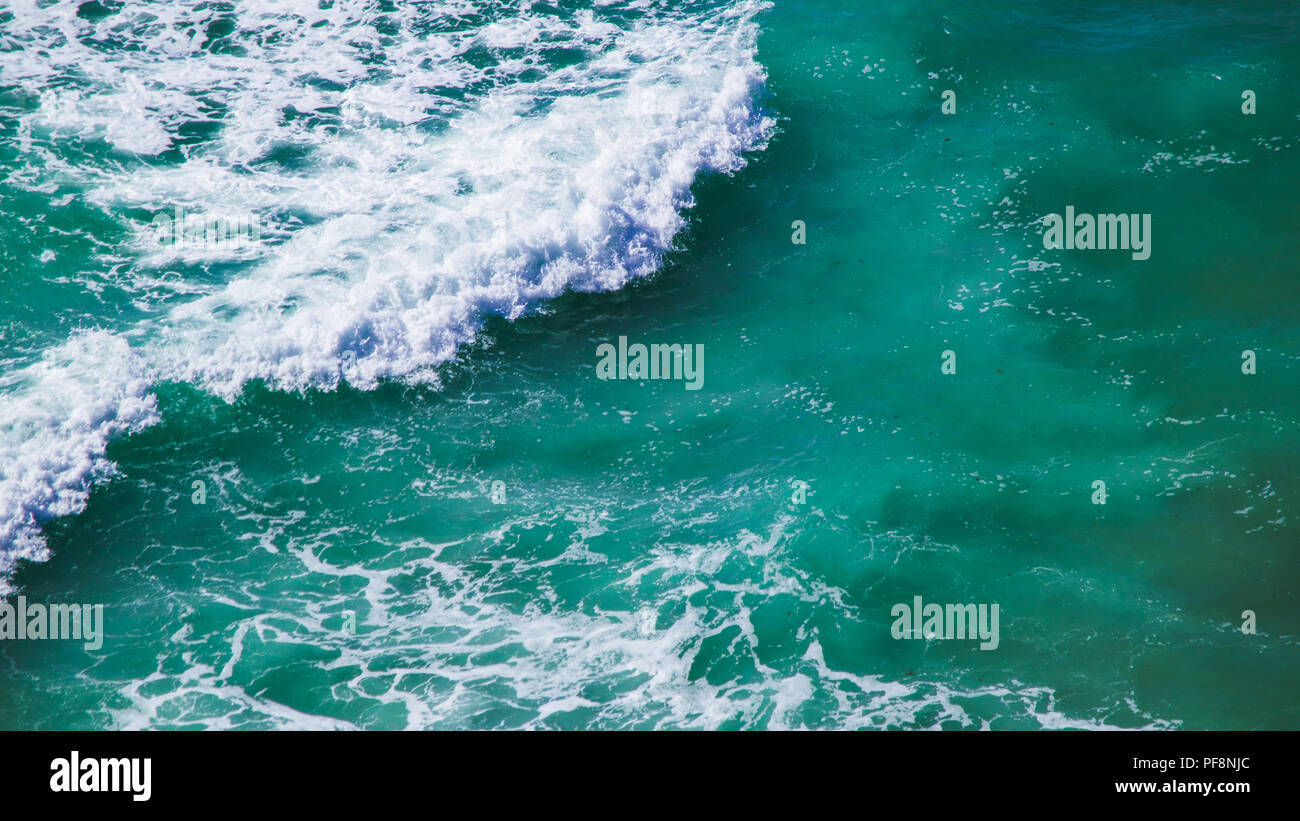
414 172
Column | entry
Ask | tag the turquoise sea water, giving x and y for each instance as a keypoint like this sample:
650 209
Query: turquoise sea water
460 202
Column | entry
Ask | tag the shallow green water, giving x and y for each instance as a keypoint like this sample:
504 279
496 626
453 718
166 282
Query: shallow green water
644 563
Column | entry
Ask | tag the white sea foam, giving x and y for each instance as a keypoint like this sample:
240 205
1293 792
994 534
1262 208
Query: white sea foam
407 185
439 646
58 416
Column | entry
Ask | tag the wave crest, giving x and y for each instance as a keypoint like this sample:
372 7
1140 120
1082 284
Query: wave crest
423 195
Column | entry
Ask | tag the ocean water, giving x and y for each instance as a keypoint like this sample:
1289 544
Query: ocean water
419 507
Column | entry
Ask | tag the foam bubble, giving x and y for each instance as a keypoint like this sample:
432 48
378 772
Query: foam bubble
55 423
409 185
